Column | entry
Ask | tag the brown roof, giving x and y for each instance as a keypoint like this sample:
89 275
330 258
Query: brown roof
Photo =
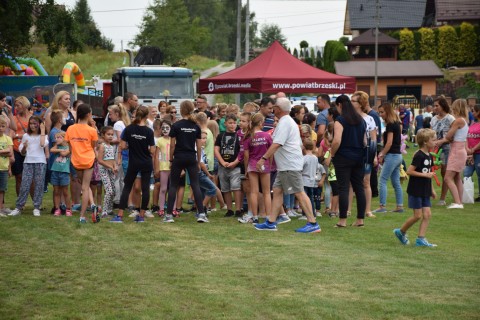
389 69
368 37
457 10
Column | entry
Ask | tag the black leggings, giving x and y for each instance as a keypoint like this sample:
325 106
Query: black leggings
348 172
128 184
190 165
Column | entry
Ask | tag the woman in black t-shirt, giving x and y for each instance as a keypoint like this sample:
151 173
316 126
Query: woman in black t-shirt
390 157
185 154
138 139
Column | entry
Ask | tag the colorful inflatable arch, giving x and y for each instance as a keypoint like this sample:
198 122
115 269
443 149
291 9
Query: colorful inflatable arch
34 64
67 72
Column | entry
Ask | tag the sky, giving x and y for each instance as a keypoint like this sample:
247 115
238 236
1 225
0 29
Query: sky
315 21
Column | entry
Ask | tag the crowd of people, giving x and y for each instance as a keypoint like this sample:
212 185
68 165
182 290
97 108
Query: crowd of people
265 163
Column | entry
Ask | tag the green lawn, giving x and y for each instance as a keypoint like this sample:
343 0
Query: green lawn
55 268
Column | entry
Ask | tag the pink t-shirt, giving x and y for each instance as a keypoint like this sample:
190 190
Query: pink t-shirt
241 136
473 136
257 146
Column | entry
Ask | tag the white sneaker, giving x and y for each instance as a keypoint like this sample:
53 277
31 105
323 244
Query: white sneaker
441 203
292 214
149 214
134 214
319 214
6 211
15 212
455 206
36 212
2 215
302 218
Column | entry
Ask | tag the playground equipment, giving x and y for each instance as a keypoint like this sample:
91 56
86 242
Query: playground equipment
10 66
77 72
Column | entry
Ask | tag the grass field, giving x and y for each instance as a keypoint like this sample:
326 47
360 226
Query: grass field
55 268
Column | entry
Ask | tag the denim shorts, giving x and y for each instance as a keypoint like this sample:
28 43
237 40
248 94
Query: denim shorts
418 202
60 178
368 168
3 180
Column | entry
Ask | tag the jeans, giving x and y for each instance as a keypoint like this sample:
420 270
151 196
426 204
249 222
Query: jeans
206 185
468 171
350 172
391 170
289 200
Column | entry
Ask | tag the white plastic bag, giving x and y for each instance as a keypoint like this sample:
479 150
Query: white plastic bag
468 190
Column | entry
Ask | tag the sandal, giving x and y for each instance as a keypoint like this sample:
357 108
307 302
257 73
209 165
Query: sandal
360 225
339 226
370 215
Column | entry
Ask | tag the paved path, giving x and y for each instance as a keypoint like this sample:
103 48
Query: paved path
219 69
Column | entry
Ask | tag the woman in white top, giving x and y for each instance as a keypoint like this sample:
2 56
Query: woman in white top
458 152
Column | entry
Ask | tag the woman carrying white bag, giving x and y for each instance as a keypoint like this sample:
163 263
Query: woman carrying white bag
473 160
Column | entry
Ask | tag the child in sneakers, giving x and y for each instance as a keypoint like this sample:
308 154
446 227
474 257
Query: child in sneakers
60 174
227 147
162 164
34 147
313 173
420 189
157 134
82 137
244 124
108 169
255 145
6 151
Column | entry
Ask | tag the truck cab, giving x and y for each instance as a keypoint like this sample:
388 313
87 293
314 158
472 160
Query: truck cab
153 84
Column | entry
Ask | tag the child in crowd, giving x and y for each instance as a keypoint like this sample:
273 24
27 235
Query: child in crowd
162 164
60 173
420 189
96 184
213 169
138 138
332 180
256 144
221 113
313 174
244 125
83 138
251 107
33 147
6 151
157 133
227 147
107 168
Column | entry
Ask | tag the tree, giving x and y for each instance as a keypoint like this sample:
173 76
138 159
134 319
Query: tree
303 47
57 28
334 51
427 44
269 33
407 45
295 52
90 35
15 31
467 46
447 46
168 26
344 40
319 60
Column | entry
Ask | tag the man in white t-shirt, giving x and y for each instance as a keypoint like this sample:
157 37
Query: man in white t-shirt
287 151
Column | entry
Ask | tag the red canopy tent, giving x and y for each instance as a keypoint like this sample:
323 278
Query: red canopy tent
277 70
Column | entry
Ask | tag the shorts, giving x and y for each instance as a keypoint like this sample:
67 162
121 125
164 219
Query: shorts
418 202
207 185
59 178
444 156
229 179
289 181
334 186
17 166
368 168
3 181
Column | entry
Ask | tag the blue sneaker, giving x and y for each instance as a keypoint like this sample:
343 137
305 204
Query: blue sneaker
283 219
139 219
309 228
76 207
380 210
401 236
422 242
116 219
83 220
266 226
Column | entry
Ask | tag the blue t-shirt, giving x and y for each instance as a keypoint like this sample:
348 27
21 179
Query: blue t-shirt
419 121
322 119
268 124
353 138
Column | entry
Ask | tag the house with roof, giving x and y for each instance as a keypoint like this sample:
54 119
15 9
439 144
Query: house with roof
395 77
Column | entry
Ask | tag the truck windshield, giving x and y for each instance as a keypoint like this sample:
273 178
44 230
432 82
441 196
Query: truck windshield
159 87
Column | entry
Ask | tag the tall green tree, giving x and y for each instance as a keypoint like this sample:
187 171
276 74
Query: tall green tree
427 44
447 46
319 60
334 51
407 45
15 26
269 33
90 35
168 26
467 46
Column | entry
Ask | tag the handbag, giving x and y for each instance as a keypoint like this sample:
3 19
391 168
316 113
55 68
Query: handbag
468 190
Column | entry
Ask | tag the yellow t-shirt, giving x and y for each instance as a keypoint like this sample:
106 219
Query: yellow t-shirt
81 137
163 145
314 136
5 143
